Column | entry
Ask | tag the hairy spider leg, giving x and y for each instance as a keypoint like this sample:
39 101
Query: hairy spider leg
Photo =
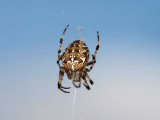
85 82
69 74
61 74
93 61
60 47
91 82
61 40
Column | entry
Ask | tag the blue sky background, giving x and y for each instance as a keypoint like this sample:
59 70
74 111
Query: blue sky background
126 74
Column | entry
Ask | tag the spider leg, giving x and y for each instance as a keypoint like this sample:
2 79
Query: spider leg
64 90
58 62
60 47
69 75
93 61
85 82
61 74
61 40
65 87
91 82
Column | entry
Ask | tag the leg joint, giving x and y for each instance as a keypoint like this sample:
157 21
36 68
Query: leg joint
61 40
97 47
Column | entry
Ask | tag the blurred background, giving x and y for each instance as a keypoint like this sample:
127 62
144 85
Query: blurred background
126 74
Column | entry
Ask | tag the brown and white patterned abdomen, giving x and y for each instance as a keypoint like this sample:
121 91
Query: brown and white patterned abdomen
76 56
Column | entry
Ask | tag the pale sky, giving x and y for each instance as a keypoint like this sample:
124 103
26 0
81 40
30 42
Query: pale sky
126 74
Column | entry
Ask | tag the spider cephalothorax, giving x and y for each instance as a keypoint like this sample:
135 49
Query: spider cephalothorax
74 59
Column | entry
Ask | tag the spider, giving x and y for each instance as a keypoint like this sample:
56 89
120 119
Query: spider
75 59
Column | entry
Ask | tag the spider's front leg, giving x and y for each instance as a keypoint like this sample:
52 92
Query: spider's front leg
61 40
93 61
60 47
61 74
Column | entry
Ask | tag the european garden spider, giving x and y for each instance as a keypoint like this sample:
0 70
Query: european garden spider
75 59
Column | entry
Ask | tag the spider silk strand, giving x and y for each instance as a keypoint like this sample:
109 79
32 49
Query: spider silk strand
79 30
74 99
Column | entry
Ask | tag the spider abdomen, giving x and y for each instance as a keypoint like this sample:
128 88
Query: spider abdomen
75 56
